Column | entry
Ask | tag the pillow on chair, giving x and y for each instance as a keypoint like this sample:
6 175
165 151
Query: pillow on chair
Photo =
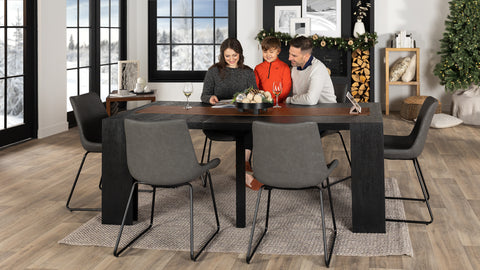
398 68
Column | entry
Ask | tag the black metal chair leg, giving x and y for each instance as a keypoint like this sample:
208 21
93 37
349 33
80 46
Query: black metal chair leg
250 252
328 253
192 255
116 253
73 188
417 165
345 148
204 177
425 199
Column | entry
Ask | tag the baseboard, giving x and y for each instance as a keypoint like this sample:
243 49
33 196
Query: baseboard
52 130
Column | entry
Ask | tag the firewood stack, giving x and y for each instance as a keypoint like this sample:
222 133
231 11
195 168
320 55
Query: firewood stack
361 75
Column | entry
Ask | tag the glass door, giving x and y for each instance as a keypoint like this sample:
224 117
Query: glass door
17 71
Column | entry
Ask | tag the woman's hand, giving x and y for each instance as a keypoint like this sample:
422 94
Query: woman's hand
213 100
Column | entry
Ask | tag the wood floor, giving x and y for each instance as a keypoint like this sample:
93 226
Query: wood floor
36 176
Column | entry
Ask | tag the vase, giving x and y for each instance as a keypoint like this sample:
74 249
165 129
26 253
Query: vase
358 28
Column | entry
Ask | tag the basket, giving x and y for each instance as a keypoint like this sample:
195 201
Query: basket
411 107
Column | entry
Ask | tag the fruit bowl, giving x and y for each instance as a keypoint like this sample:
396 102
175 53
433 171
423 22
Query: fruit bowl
255 107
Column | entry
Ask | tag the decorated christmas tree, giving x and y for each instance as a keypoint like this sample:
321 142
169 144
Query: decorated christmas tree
459 66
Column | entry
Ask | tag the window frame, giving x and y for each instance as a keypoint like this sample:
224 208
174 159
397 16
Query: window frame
94 55
155 75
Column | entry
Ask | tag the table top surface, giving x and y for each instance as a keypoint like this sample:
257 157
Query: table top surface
331 115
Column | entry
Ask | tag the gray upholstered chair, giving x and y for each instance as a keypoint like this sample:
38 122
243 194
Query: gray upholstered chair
89 113
409 148
161 154
298 164
210 136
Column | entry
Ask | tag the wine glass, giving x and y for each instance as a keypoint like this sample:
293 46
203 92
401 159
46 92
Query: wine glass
187 91
277 90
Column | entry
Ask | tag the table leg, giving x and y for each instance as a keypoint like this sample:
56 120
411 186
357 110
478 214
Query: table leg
368 179
116 179
240 180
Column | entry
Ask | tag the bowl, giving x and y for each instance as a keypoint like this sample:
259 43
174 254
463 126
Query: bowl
255 107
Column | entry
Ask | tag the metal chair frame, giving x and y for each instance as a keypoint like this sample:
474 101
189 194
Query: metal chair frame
193 256
327 252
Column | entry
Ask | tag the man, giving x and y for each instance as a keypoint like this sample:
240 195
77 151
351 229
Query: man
311 83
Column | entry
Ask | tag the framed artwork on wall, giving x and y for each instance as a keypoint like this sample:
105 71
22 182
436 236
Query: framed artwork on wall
283 14
325 16
300 27
128 71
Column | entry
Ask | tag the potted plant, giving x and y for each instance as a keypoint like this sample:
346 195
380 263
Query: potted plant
459 66
361 11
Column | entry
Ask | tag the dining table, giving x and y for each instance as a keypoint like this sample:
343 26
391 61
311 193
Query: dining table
366 147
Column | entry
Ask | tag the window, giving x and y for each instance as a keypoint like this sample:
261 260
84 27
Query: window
185 37
78 48
95 43
17 70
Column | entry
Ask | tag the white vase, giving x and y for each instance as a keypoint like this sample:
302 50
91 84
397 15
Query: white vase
358 28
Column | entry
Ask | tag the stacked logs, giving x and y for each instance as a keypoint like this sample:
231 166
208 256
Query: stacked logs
360 88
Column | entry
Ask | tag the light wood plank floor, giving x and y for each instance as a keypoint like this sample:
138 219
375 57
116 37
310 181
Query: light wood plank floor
35 178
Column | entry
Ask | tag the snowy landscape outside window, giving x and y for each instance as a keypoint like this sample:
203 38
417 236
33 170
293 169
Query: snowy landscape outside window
11 64
187 37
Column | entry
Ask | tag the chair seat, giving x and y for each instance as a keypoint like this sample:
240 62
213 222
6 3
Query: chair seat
92 146
216 135
400 148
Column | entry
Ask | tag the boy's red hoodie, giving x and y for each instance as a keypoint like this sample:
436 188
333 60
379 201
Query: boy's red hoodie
266 73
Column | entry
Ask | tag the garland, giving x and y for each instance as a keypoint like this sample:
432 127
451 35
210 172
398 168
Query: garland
363 42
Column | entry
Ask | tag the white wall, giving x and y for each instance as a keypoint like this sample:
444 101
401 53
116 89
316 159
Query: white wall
52 74
424 19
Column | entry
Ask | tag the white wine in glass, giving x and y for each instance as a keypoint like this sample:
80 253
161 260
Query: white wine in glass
187 91
277 90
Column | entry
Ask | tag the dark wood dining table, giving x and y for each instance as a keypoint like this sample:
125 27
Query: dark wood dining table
366 140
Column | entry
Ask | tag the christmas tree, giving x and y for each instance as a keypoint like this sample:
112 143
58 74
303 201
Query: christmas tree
459 65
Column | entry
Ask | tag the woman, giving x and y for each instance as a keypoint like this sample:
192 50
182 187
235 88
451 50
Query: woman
226 78
229 75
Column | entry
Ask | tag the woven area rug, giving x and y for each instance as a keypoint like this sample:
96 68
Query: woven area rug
294 225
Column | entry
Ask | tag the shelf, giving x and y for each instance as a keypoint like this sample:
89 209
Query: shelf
415 83
404 83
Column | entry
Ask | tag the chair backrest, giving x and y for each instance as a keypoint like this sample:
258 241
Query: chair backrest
288 155
424 119
89 112
160 152
341 91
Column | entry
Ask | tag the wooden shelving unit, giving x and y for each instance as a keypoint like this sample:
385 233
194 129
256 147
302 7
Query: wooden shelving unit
416 82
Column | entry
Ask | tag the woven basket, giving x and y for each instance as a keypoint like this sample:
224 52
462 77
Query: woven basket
411 107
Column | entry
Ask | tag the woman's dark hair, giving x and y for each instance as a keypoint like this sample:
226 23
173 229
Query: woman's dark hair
305 44
234 44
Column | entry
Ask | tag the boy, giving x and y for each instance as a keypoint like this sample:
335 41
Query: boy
273 69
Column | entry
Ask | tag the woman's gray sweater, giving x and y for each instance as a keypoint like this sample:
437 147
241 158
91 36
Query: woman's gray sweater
235 80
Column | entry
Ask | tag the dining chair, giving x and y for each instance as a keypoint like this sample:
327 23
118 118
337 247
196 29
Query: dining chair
210 136
297 165
161 155
409 148
89 113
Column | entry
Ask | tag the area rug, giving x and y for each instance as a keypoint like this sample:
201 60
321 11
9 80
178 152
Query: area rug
294 224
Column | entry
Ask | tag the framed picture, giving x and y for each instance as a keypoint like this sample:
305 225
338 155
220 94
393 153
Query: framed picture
127 74
300 26
325 16
283 14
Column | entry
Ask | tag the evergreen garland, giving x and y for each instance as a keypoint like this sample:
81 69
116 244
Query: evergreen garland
459 66
363 42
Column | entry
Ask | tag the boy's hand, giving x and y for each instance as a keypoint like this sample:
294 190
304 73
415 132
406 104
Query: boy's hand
213 100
